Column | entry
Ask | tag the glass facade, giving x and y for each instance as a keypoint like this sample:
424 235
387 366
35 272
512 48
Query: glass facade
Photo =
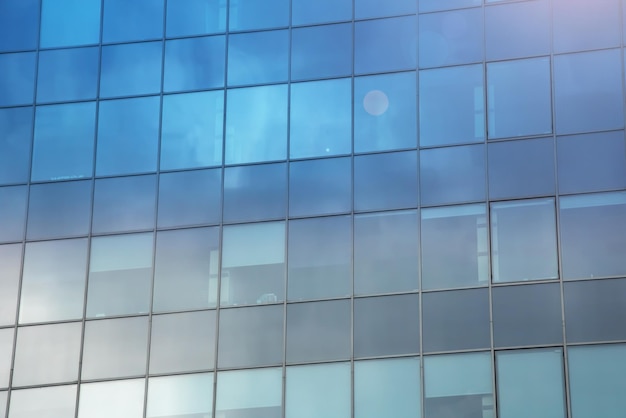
294 209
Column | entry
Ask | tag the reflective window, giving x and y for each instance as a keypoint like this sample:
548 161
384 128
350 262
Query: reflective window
250 393
527 315
53 284
319 187
385 45
256 124
258 57
458 385
6 353
190 198
381 386
194 251
64 141
591 162
385 181
37 345
128 135
18 78
130 69
95 399
304 12
195 17
455 250
69 22
446 93
320 118
318 331
19 28
518 98
180 396
320 258
530 383
115 347
580 25
120 275
59 209
435 5
13 213
3 400
192 64
48 402
255 192
590 225
252 14
384 112
372 8
15 138
132 21
385 252
253 264
68 74
251 336
308 394
452 175
124 204
321 51
11 262
588 91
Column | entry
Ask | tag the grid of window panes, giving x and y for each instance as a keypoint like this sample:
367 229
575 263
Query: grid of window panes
295 208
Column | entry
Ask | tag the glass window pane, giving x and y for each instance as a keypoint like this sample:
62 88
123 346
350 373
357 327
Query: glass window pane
320 258
308 394
256 124
69 22
252 14
451 93
132 21
318 331
195 17
53 284
385 181
48 402
373 8
527 315
258 57
319 187
531 383
128 135
250 393
115 348
131 69
384 112
251 336
385 252
255 192
6 354
194 251
95 399
59 209
3 401
580 25
19 28
180 396
68 74
253 264
18 78
11 262
321 51
193 64
13 213
435 5
321 118
37 345
15 138
305 12
455 250
120 275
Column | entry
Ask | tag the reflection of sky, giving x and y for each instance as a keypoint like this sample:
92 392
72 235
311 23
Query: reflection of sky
18 78
321 51
12 212
195 17
131 69
260 57
193 64
385 45
68 74
70 22
19 25
132 20
95 399
255 14
15 134
180 395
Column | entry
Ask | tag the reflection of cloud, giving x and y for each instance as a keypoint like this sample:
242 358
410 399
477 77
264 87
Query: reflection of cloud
375 102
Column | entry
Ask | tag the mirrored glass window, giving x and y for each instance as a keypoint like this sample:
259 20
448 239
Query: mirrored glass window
320 258
48 402
365 9
385 252
69 22
580 25
258 57
435 5
131 69
308 394
15 141
132 21
256 124
253 264
6 353
195 17
4 395
252 14
180 396
64 141
305 12
11 261
320 121
128 135
95 399
193 64
321 51
18 78
250 393
13 213
53 283
19 27
68 74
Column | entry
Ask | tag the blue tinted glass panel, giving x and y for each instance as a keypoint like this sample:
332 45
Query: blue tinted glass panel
321 51
321 118
260 57
320 187
588 91
18 78
13 213
250 393
384 112
304 12
15 137
591 162
19 26
252 14
68 74
195 17
128 134
580 25
256 124
59 210
454 93
180 396
451 175
255 192
95 399
193 64
64 141
131 69
132 21
372 8
308 394
11 259
192 130
435 5
69 22
385 45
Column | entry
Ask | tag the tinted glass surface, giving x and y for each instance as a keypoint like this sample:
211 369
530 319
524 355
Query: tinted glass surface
11 260
13 213
580 25
250 393
251 14
371 8
196 63
180 396
6 352
15 139
131 69
434 5
258 57
321 51
132 21
19 26
68 74
385 45
18 78
49 402
95 399
3 400
305 12
195 17
69 22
